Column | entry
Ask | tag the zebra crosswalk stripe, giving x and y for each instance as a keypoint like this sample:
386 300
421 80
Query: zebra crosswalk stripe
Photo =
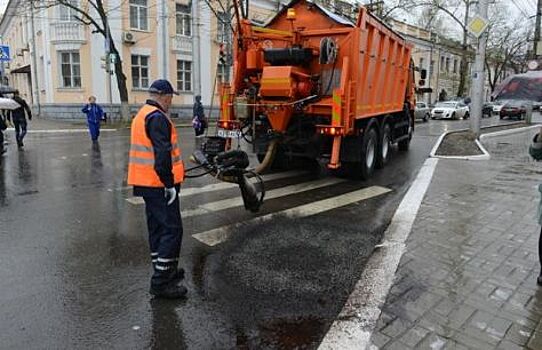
219 235
279 192
185 192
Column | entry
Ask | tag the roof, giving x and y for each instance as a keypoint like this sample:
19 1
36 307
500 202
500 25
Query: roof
335 17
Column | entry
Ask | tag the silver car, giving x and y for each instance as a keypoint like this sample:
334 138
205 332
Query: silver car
422 111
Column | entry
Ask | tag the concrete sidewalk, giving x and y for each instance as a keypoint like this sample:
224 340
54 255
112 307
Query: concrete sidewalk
468 277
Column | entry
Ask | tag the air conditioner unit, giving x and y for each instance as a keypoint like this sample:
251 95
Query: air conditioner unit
128 37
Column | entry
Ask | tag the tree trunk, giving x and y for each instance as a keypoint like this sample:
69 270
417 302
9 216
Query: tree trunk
462 74
121 84
463 67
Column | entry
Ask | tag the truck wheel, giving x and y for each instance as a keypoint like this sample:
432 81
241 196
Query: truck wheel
369 154
384 147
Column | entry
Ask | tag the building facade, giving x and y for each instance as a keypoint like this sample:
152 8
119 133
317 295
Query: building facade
57 62
441 57
174 39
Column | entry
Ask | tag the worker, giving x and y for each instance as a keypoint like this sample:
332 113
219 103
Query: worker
156 171
94 114
19 119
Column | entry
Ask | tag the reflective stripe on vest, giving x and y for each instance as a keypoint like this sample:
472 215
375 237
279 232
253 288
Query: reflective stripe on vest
141 159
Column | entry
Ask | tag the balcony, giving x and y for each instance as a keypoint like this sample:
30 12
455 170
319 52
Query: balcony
67 32
181 44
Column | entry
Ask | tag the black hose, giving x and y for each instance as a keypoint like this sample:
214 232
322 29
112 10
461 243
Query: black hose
262 184
198 175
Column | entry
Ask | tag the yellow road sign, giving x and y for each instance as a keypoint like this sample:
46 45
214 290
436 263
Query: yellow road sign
477 25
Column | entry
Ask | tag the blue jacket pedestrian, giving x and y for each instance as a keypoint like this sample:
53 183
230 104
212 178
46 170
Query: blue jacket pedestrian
94 114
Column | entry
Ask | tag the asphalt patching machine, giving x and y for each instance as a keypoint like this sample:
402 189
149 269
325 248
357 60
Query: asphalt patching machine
311 84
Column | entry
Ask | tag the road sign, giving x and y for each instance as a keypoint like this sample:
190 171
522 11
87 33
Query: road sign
4 53
478 25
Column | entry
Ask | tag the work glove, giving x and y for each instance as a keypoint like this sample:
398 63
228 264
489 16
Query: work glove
170 194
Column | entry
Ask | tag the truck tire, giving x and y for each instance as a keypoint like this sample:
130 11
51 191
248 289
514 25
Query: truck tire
363 169
384 147
403 145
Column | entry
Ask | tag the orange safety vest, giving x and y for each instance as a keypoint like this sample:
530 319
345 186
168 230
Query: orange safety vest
141 164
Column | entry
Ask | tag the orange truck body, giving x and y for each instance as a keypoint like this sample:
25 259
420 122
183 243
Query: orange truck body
310 63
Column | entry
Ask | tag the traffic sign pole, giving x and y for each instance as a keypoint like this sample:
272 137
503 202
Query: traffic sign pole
478 28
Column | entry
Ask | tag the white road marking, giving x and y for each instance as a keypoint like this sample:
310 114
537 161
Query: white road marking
185 192
279 192
354 325
135 200
221 234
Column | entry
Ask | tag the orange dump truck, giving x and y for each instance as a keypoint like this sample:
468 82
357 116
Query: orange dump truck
312 84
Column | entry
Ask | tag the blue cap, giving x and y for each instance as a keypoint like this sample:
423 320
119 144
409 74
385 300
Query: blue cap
162 87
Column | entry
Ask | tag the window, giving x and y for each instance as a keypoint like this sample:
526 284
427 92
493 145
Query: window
421 63
183 20
455 65
184 75
138 14
67 14
140 72
442 63
447 64
222 28
70 69
222 73
431 68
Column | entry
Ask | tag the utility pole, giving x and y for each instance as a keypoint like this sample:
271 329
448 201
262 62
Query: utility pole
163 22
479 76
34 67
537 29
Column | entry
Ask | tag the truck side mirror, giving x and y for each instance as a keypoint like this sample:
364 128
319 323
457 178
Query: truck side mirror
423 74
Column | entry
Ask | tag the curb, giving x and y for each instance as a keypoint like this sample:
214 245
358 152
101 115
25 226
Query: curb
508 132
355 324
484 156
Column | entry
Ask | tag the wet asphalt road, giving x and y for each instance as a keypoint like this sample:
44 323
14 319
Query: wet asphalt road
74 264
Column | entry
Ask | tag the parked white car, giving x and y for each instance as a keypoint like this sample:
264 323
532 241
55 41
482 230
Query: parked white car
450 110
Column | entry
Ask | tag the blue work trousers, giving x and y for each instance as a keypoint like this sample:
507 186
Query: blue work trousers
165 236
94 129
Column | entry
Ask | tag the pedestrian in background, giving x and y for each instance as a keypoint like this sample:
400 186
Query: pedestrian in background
199 123
535 150
94 114
156 170
19 118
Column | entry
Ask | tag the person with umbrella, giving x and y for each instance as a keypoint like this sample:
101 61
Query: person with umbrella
19 119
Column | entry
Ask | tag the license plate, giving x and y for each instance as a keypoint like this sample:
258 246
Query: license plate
229 134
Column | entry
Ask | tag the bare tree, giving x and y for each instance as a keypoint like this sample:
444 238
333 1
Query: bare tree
506 49
100 26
